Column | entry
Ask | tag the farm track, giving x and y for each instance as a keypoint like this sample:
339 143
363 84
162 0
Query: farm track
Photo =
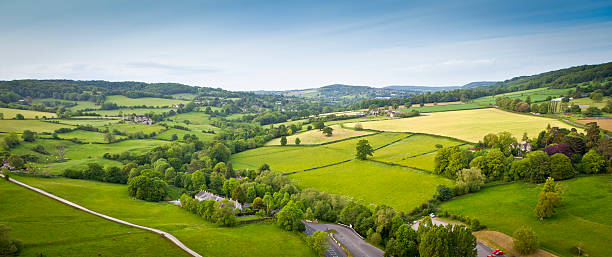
163 234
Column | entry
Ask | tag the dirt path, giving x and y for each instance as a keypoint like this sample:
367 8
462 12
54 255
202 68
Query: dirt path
166 235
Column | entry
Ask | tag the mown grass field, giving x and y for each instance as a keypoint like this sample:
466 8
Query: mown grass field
411 146
315 136
87 136
133 128
445 107
11 113
201 236
584 217
49 227
537 95
148 101
468 125
19 126
296 158
372 182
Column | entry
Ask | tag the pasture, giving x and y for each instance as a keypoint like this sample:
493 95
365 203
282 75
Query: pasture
147 101
591 102
80 105
203 237
468 125
51 228
87 122
584 217
373 183
315 136
28 114
126 111
167 135
536 95
412 146
444 107
193 118
297 158
86 136
19 126
133 128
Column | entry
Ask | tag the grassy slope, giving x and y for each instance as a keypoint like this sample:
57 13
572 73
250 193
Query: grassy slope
34 125
537 95
133 128
411 146
442 108
11 113
584 216
371 182
469 125
148 101
54 229
86 136
205 238
92 122
296 158
167 135
137 111
315 136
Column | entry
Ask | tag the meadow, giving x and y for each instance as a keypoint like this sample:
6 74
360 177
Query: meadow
315 136
411 146
591 102
297 158
133 128
468 125
584 217
193 118
87 122
87 136
203 237
28 114
444 107
536 95
373 183
147 101
55 229
80 105
19 126
167 135
127 111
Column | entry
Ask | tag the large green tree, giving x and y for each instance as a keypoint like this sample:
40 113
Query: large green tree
290 217
364 149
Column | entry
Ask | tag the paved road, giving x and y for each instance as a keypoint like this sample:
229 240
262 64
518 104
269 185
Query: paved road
349 239
483 250
333 251
157 231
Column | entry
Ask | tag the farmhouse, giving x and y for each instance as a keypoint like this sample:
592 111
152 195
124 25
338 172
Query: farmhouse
205 195
138 119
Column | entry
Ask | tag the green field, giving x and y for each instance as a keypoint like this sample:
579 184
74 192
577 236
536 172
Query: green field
18 126
49 227
583 218
296 158
201 236
590 102
371 182
11 113
537 95
184 96
468 125
411 146
315 136
133 128
442 108
148 101
80 105
126 111
193 117
88 122
167 135
86 136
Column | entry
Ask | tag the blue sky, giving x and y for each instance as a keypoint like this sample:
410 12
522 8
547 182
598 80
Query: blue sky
278 45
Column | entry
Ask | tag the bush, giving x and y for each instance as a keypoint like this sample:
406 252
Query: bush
8 246
72 173
525 241
444 193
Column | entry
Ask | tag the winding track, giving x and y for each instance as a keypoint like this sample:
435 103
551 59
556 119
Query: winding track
166 235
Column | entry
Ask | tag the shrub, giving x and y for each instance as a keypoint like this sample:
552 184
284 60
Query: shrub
72 173
444 193
525 241
8 246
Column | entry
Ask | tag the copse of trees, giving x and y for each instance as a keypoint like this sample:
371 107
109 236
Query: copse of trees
148 186
450 160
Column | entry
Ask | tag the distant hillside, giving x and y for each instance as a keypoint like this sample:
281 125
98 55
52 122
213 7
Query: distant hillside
441 88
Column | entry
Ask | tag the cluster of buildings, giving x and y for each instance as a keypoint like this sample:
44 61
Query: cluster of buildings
205 195
137 119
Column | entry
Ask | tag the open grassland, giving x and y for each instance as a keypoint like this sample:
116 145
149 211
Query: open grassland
297 158
50 228
201 236
19 126
193 118
80 105
88 122
536 95
584 218
444 107
468 125
434 104
11 113
126 111
133 128
590 102
87 136
411 146
79 155
148 101
167 135
372 182
184 96
315 136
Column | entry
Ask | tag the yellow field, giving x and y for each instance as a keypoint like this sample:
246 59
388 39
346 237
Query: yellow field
10 113
19 126
468 125
315 136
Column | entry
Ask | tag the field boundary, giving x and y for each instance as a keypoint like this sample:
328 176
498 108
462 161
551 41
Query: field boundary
320 167
163 234
430 152
376 132
400 165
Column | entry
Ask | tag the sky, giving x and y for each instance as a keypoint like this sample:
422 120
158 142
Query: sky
281 45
